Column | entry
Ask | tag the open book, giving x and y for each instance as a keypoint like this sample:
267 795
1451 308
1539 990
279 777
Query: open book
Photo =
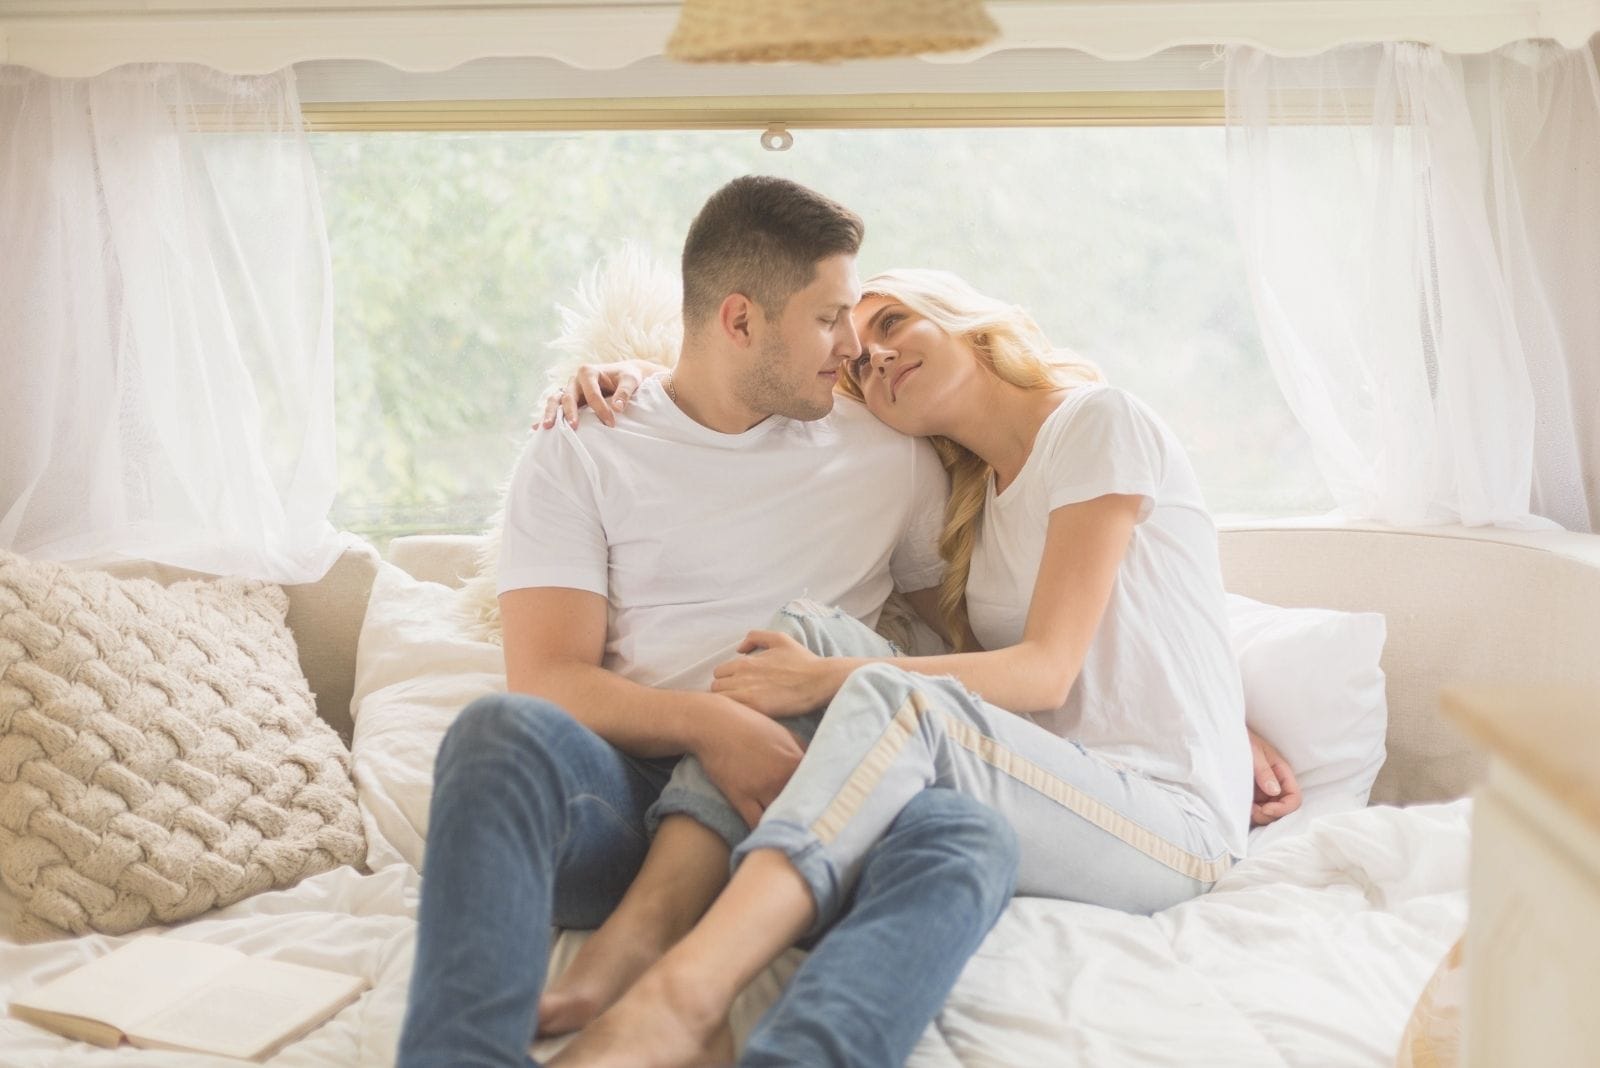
167 993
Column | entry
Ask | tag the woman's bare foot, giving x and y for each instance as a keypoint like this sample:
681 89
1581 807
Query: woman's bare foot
657 1024
605 966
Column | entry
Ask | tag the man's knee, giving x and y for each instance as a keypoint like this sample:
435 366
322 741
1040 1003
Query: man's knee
955 830
513 729
959 817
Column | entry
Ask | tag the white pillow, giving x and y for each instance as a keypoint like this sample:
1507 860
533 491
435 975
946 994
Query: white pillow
1314 689
416 669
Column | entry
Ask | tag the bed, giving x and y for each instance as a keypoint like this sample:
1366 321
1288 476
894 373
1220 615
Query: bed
1310 952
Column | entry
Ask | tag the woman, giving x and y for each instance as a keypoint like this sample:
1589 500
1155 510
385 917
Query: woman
1084 596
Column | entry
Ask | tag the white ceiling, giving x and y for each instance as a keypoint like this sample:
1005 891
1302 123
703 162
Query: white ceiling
80 37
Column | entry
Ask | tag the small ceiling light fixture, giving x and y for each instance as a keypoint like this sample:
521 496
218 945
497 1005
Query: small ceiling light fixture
825 31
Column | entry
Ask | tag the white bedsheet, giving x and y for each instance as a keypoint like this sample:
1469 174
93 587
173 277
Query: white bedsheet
1311 953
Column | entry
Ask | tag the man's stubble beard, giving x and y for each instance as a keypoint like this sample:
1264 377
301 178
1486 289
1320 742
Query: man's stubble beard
764 388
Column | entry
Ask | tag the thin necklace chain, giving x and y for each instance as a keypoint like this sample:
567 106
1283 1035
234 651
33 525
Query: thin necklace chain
672 391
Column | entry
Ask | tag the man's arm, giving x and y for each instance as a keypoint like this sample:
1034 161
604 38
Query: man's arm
554 641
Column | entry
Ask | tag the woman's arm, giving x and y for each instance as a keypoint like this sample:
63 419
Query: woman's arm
1084 546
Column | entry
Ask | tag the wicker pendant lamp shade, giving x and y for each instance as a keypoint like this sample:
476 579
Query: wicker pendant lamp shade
823 31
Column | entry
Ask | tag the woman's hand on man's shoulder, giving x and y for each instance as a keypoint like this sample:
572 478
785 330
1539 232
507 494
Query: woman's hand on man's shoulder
605 387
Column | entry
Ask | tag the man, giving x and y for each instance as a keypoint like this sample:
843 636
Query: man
633 562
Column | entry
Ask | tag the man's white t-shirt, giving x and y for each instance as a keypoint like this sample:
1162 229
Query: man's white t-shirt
1159 691
696 537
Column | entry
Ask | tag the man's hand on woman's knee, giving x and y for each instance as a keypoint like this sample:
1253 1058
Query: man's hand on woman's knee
749 757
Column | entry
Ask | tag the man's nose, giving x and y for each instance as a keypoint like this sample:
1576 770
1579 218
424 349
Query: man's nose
852 340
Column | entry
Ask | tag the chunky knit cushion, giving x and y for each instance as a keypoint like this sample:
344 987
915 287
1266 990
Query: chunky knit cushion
160 752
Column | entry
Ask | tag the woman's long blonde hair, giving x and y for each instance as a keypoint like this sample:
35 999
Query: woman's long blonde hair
1010 344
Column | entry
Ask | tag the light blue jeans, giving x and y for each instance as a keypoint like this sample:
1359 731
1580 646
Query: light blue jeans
535 820
1087 829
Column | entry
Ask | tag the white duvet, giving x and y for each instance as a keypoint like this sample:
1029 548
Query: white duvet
1310 953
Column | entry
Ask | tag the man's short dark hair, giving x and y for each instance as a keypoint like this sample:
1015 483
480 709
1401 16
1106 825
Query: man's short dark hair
763 237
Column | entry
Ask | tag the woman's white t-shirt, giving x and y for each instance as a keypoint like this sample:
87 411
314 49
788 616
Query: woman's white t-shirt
1159 691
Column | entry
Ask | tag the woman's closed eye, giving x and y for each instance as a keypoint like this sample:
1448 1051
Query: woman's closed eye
860 366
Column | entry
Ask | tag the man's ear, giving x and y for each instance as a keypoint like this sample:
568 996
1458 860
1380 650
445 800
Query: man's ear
734 318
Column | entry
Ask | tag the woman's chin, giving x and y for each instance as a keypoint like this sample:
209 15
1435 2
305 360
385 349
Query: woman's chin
898 418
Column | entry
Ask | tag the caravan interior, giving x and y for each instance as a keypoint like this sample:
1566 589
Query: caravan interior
283 284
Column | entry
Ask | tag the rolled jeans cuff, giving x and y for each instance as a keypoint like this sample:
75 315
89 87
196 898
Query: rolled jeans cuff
709 809
690 792
806 852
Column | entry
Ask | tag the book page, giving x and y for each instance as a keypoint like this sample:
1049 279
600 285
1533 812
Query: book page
250 1009
133 981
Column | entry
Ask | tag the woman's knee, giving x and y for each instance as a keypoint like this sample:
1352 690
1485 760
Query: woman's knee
828 631
807 622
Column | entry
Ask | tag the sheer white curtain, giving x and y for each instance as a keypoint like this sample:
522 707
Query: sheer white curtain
166 323
1386 306
1544 150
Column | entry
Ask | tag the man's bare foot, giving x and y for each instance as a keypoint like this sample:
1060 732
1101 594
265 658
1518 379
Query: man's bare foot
657 1024
591 984
563 1010
602 971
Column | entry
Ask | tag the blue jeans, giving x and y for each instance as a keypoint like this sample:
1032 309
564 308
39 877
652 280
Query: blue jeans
536 820
929 892
1088 829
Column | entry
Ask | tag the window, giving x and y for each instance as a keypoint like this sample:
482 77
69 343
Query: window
451 251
